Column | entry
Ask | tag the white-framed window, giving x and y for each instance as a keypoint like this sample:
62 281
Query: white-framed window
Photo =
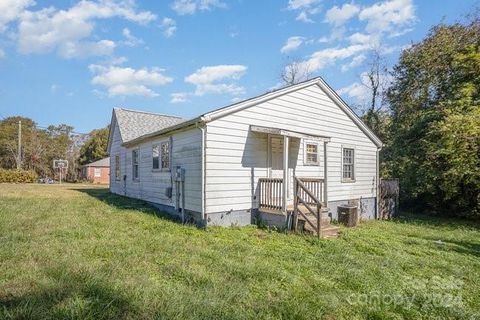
97 172
165 155
117 168
311 154
348 164
135 164
156 157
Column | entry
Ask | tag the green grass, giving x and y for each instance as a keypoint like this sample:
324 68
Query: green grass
81 253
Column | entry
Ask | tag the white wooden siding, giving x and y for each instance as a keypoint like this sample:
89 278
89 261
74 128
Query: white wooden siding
151 185
237 157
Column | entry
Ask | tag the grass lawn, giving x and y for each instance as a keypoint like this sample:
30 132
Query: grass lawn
79 252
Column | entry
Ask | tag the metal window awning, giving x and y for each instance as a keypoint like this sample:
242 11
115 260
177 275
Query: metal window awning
287 133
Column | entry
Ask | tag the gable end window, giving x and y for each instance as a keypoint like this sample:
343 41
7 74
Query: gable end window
348 164
165 155
135 164
117 167
311 154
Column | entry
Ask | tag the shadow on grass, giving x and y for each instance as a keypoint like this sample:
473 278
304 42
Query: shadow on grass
436 221
68 295
126 203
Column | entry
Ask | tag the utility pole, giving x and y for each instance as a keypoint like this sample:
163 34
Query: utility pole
19 160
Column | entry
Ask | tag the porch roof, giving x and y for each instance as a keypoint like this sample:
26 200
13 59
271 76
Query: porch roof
288 133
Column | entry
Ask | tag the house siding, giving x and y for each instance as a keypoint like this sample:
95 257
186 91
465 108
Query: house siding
152 184
236 157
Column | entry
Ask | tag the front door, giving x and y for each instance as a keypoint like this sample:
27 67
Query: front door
276 167
276 157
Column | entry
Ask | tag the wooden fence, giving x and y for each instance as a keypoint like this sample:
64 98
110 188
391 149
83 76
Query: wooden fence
389 198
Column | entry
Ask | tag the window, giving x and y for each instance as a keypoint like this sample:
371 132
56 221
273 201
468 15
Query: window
156 157
135 164
165 148
311 154
117 167
348 172
98 172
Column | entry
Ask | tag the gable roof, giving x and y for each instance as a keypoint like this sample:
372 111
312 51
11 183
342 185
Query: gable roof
221 112
105 162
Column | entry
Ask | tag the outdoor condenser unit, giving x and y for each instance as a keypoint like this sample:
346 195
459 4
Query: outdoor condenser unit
348 215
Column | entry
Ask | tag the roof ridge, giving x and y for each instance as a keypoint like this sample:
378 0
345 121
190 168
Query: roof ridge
147 112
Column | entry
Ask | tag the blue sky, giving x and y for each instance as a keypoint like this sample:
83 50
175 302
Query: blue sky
72 62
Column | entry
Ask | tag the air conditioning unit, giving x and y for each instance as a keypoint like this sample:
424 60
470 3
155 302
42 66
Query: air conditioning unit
348 215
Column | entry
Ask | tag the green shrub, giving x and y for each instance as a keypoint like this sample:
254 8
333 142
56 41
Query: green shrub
17 176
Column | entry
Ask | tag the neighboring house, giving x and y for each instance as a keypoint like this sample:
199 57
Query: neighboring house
97 172
237 158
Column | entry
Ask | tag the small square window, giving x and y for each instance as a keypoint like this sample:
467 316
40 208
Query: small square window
98 172
311 153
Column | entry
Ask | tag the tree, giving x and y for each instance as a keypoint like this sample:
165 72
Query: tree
96 147
295 72
435 103
39 146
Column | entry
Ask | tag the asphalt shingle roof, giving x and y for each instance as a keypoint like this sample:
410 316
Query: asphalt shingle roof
134 124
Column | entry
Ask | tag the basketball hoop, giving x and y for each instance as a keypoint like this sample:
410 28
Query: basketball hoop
61 165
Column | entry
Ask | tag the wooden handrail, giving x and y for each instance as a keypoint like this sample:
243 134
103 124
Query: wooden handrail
305 189
300 190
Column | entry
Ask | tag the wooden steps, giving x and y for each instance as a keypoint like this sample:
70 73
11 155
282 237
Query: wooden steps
327 230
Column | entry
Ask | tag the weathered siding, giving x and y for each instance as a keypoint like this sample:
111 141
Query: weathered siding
237 157
152 184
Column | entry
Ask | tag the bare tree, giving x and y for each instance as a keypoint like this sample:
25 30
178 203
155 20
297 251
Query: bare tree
376 80
295 71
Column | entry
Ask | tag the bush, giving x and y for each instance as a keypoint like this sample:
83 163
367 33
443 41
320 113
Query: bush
17 176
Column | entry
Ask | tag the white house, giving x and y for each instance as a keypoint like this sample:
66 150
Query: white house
235 161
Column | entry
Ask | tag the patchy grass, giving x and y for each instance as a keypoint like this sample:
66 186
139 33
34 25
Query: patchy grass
79 252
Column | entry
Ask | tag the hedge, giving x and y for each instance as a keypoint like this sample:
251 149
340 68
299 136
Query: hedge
17 176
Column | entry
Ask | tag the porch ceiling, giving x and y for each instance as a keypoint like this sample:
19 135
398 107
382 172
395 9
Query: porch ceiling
287 133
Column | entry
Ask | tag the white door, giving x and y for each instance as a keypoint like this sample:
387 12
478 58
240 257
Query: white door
276 157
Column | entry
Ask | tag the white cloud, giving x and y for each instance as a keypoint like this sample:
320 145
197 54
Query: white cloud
10 10
356 61
356 91
54 88
217 79
186 7
178 97
339 15
2 54
322 58
306 9
387 16
292 44
128 81
169 27
66 31
130 39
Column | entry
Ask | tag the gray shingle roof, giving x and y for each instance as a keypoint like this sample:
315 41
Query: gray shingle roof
105 162
134 124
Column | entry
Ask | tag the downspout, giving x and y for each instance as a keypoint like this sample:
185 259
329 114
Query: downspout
203 130
377 183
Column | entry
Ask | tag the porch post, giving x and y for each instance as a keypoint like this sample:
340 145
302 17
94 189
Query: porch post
285 173
325 174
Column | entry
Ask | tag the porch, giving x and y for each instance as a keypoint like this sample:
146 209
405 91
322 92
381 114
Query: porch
301 200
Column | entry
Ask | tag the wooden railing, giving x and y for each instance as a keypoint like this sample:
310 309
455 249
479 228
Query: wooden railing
270 193
301 194
315 186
